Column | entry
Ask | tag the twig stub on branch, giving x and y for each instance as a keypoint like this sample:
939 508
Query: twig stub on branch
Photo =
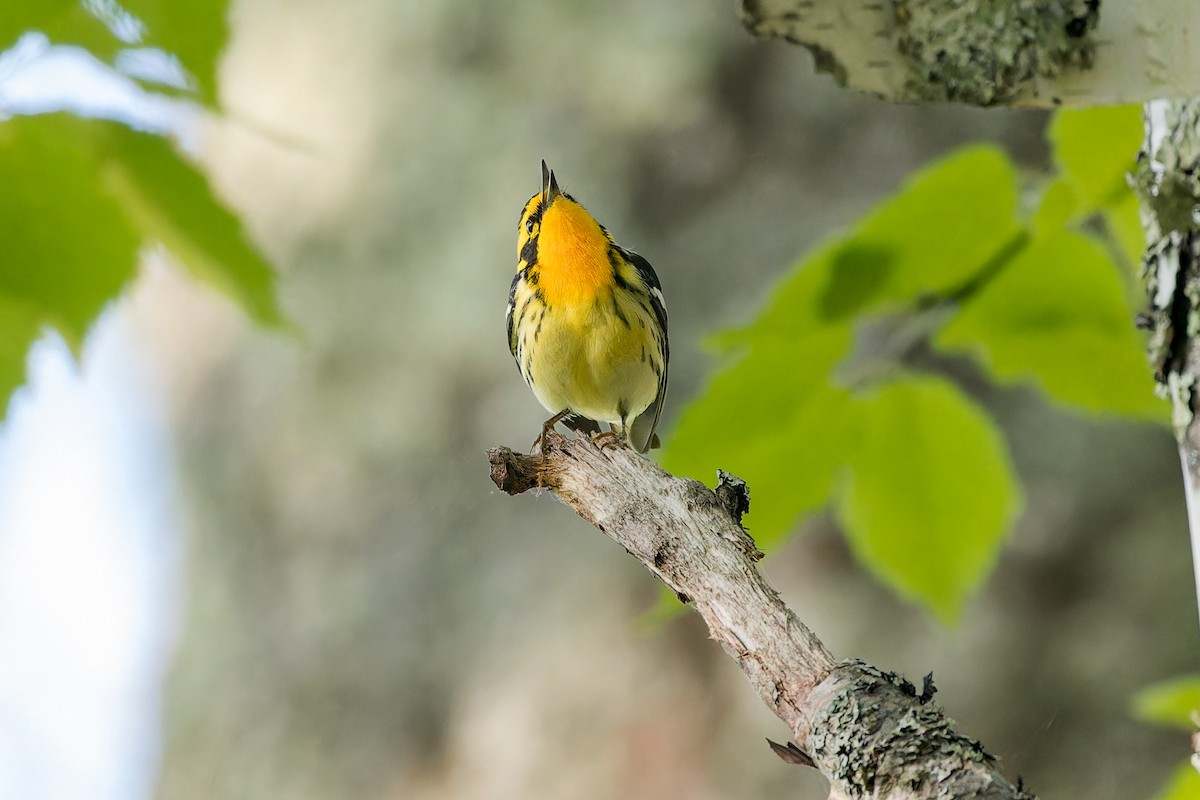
734 494
510 472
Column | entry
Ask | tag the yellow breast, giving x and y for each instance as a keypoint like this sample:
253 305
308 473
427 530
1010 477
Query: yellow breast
572 255
595 361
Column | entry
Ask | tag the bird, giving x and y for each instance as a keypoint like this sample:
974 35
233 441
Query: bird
587 323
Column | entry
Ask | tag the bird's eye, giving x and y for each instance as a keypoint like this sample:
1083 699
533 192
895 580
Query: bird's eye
529 225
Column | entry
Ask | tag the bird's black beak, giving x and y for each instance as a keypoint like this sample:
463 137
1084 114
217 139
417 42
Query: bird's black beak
550 188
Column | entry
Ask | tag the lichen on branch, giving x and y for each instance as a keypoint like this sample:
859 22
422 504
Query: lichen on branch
982 52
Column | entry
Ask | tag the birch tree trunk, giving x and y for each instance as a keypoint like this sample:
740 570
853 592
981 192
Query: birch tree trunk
1042 53
1168 182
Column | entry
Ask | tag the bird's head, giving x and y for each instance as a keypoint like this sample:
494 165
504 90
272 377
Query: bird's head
555 226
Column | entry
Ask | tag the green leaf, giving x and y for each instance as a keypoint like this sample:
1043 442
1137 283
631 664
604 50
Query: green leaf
795 306
1057 315
930 493
65 22
1171 702
1094 148
1058 206
1184 784
1124 224
943 226
774 420
20 325
792 474
68 246
80 198
19 16
170 200
193 31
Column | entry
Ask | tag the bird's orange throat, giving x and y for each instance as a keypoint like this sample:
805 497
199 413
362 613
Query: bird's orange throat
572 254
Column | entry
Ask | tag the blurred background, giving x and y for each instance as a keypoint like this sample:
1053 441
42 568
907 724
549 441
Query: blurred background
334 601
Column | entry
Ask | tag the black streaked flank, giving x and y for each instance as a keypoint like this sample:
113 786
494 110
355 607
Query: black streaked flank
617 310
614 258
650 279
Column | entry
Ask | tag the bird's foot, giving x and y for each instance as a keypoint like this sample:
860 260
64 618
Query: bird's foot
539 444
609 439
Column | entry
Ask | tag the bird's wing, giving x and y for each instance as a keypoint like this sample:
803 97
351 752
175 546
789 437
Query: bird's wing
641 433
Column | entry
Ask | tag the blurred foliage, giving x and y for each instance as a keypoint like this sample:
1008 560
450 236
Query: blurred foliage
929 465
1094 149
1057 316
931 237
1173 702
69 248
169 201
795 426
82 197
1176 703
1184 784
193 33
919 475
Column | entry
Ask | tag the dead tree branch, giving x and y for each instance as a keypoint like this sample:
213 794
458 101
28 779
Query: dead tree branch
870 732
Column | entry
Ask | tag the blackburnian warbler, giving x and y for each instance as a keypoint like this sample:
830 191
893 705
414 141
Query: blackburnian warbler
587 323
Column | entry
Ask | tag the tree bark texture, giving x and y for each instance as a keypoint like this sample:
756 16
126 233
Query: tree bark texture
1168 183
1045 53
870 732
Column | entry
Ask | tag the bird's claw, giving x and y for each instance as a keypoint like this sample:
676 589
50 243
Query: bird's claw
539 444
608 439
